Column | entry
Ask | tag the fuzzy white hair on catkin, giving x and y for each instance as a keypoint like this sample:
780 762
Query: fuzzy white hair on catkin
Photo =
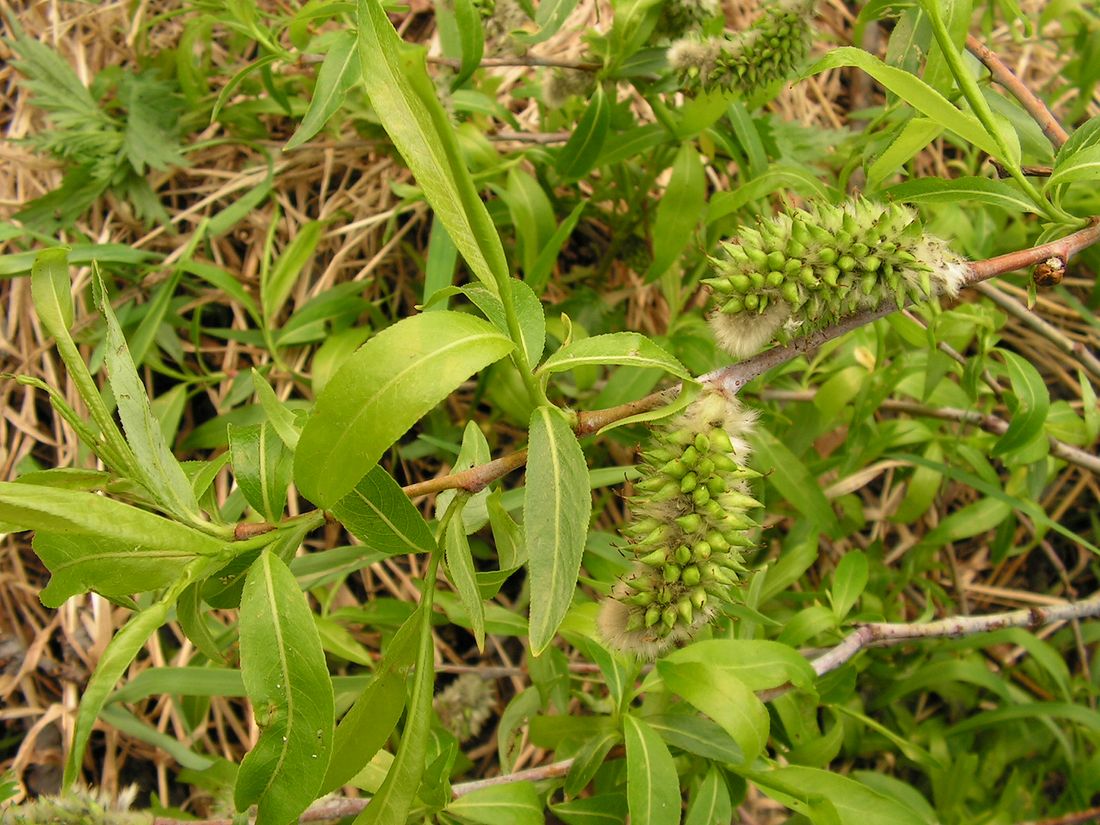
745 333
644 644
949 271
716 409
689 53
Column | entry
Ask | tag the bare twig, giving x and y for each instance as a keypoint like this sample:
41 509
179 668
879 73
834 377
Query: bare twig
1007 78
1030 171
987 422
881 634
885 633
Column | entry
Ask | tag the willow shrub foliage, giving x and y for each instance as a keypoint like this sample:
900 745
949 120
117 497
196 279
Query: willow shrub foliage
712 577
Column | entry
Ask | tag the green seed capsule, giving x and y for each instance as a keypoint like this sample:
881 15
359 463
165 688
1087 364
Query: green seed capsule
827 256
792 266
752 301
868 283
774 279
720 440
652 616
807 277
846 263
643 599
682 554
668 616
691 576
776 259
699 598
733 306
789 291
757 280
683 607
740 283
701 551
716 542
716 485
705 467
757 256
671 573
688 482
700 496
702 443
689 523
635 622
690 456
858 249
654 559
675 468
871 263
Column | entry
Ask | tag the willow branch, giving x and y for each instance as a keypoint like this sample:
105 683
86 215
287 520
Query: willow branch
882 634
1008 79
731 379
989 423
889 634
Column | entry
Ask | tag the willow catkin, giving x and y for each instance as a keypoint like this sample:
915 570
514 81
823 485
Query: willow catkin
806 269
689 526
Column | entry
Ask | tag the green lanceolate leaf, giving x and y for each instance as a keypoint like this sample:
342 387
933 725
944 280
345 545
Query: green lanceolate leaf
556 507
1032 404
50 291
381 516
678 212
404 99
579 154
34 507
854 803
118 655
710 803
794 481
375 713
471 36
390 806
337 74
460 570
529 314
981 190
278 415
159 470
262 466
652 786
79 563
722 697
382 390
288 684
916 93
275 288
516 803
626 348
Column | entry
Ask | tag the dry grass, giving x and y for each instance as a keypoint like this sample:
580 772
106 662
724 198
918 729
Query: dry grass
46 655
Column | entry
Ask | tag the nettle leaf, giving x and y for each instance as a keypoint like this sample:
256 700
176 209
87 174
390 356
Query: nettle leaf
724 698
262 466
287 681
338 73
379 514
556 507
516 803
679 211
79 563
916 93
981 190
1032 404
579 154
382 390
160 472
626 348
404 98
652 785
374 715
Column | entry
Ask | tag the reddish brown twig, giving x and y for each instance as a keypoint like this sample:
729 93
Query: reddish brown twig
1007 78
